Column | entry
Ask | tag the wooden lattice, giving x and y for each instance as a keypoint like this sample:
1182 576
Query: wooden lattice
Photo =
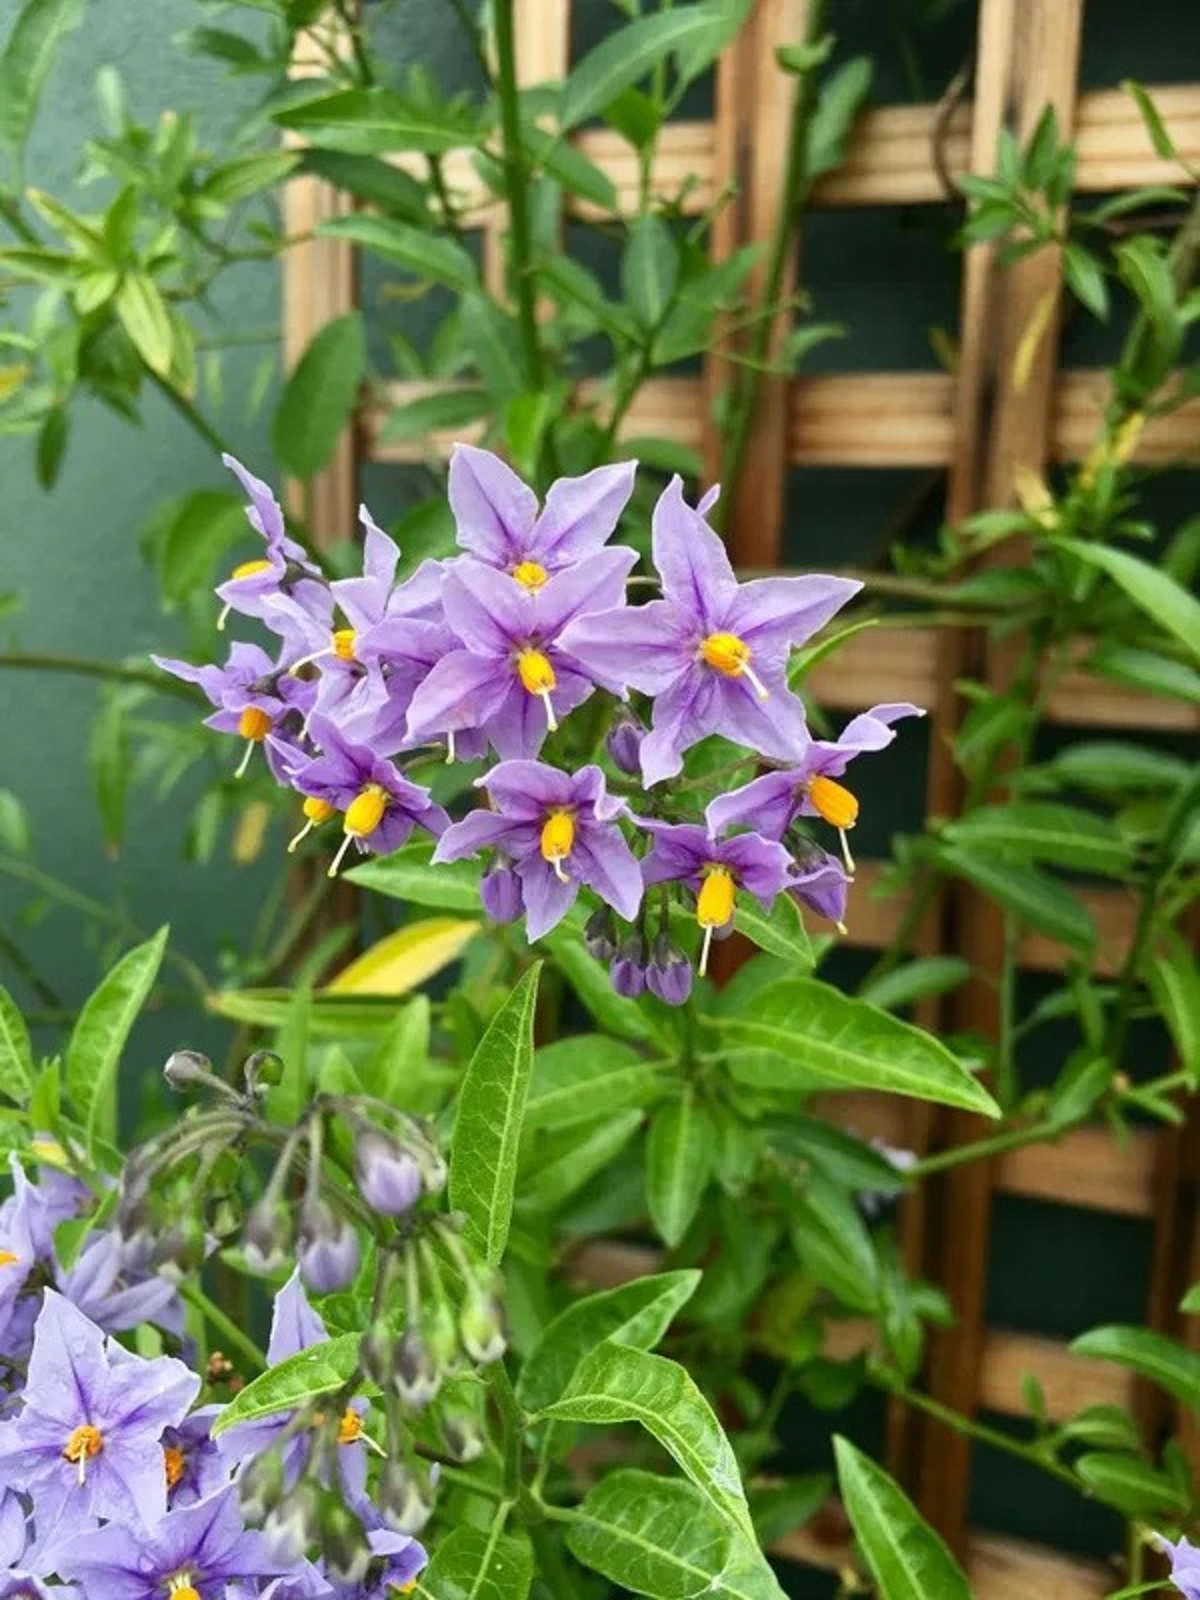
976 428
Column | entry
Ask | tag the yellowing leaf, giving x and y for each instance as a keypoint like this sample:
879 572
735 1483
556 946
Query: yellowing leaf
1031 339
250 832
404 959
11 379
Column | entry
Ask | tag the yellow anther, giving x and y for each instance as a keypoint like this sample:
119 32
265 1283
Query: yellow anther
182 1587
558 836
365 811
833 802
254 724
537 677
315 813
83 1445
7 1259
530 574
404 1588
174 1464
343 643
731 656
249 569
714 908
350 1428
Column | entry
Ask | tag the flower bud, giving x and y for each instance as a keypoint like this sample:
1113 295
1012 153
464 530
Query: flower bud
500 891
375 1353
188 1069
439 1327
600 935
669 975
462 1436
343 1542
265 1238
820 881
481 1327
388 1177
327 1249
181 1247
624 742
404 1498
294 1523
628 970
415 1378
260 1485
262 1071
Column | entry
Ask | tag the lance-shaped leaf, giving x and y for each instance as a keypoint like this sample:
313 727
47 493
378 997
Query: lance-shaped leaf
99 1036
491 1110
16 1054
407 875
680 1154
1171 1366
907 1559
586 1076
656 1536
319 1370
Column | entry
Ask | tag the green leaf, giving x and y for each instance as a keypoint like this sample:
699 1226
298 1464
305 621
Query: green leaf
16 1053
1030 894
591 982
99 1036
804 1034
1085 277
474 1564
570 167
1153 591
1131 1485
292 1382
28 56
392 1071
780 931
841 99
1037 830
635 1314
653 1535
396 193
320 396
491 1110
244 176
1147 669
627 55
332 1016
1115 767
832 1241
1171 1366
416 250
906 1558
618 1384
649 269
588 1076
1175 982
490 336
1164 145
558 1165
205 524
52 445
109 765
374 122
430 413
144 316
680 1154
407 875
916 980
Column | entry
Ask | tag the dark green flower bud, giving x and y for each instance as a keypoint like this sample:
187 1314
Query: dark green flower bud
404 1497
481 1327
260 1485
414 1377
294 1523
266 1238
462 1436
343 1542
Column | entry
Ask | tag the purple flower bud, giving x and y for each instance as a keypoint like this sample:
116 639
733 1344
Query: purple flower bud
405 1499
388 1177
327 1249
294 1523
500 891
414 1375
628 970
669 975
599 935
265 1238
624 742
820 882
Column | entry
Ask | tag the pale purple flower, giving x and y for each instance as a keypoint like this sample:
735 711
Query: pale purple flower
630 967
254 697
326 1248
14 1529
499 523
559 831
113 1282
669 975
87 1440
819 880
510 675
713 652
193 1464
771 804
283 568
200 1547
388 1176
715 870
1185 1566
500 892
295 1326
380 806
396 1561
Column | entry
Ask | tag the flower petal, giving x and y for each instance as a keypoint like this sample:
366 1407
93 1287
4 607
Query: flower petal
462 691
631 647
766 804
683 715
597 583
547 899
581 513
487 611
604 860
772 614
691 560
526 789
480 830
493 510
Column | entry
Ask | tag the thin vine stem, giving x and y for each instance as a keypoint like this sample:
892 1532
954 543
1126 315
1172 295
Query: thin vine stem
224 1325
520 236
112 671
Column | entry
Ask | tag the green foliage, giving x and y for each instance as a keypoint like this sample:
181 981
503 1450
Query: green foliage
905 1557
99 1037
321 1369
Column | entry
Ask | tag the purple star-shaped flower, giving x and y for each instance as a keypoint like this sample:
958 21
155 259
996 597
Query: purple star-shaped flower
283 568
295 1326
499 523
87 1439
1185 1566
198 1548
192 1462
511 675
559 831
715 870
113 1282
21 1563
380 806
253 696
771 804
712 651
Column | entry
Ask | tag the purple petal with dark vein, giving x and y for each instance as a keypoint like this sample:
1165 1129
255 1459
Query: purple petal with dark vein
687 712
493 510
773 727
772 614
766 804
485 609
605 861
597 583
691 560
527 789
483 830
547 899
581 513
462 691
630 647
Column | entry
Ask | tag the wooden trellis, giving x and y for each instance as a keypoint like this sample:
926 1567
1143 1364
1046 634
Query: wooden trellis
982 433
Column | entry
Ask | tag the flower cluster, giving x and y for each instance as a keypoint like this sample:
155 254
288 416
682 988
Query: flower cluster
494 650
131 1474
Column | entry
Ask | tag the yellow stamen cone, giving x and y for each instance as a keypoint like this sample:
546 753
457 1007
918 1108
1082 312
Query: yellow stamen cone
558 837
731 656
530 574
537 677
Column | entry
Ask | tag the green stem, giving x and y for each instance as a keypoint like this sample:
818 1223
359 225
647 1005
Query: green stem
114 671
521 251
187 410
795 186
512 1421
1006 1066
225 1325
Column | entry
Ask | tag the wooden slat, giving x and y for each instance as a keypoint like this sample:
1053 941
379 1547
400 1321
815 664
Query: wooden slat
1086 1168
1070 1382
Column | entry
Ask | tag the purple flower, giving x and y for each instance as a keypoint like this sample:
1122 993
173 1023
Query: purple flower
499 524
500 891
559 831
326 1248
715 870
396 1561
253 697
820 881
511 676
630 968
191 1460
295 1326
669 975
112 1282
87 1439
388 1177
771 804
713 652
284 568
380 806
1185 1566
191 1553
